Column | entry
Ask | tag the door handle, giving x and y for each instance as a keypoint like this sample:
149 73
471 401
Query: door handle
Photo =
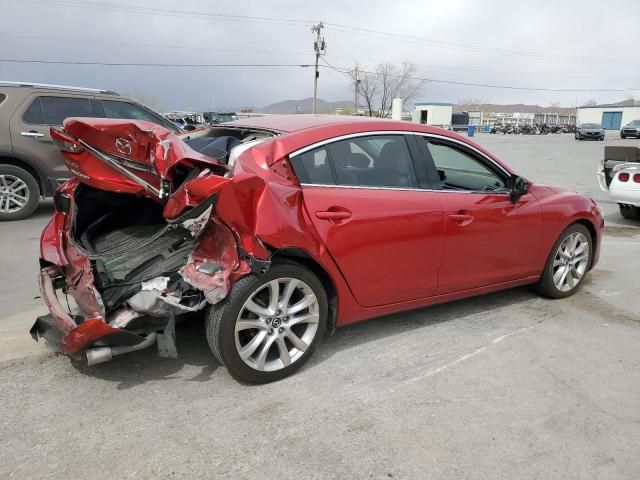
461 219
333 215
32 134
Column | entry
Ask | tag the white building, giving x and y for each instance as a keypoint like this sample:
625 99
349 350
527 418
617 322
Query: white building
433 113
612 116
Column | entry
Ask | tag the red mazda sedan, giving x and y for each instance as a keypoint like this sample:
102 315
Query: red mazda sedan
285 226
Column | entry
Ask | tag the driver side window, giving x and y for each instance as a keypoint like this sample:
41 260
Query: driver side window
459 171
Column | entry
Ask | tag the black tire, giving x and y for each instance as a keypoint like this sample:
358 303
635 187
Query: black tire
630 212
623 136
221 320
32 188
545 285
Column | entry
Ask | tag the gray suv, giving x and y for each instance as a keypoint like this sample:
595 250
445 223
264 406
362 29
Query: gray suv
31 166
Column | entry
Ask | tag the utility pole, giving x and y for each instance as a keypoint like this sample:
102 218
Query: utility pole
319 47
356 91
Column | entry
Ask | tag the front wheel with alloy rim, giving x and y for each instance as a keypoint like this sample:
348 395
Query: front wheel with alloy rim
19 193
269 325
568 263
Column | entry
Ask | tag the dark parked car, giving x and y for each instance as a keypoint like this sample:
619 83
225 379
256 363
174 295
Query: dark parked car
590 130
31 166
631 129
282 227
459 121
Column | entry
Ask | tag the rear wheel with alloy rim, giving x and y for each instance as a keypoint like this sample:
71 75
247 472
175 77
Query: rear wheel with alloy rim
19 193
568 263
269 325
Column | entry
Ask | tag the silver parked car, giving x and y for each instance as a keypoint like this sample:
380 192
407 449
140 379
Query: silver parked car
631 129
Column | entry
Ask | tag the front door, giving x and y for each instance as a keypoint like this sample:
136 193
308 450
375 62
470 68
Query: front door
489 238
384 232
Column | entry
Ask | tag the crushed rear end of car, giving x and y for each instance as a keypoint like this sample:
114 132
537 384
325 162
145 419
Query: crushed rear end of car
134 241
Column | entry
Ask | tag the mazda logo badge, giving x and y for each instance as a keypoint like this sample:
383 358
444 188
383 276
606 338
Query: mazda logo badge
123 146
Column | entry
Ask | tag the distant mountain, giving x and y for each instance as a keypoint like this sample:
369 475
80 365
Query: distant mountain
304 106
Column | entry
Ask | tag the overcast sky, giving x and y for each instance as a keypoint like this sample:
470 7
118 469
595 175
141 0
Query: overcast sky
550 44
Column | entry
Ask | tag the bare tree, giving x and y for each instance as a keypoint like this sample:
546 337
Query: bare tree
367 84
590 103
471 101
397 82
378 88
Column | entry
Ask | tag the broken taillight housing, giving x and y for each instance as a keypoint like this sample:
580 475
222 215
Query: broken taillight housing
623 177
65 142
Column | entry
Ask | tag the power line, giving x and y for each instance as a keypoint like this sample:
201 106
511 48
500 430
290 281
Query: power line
170 12
155 45
126 64
342 70
470 84
330 25
294 53
467 47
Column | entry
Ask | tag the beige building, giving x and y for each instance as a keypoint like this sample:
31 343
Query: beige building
611 116
432 113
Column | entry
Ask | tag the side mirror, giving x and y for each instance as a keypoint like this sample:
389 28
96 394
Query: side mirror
519 187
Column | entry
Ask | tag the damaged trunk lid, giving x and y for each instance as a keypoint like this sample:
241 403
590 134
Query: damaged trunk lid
136 157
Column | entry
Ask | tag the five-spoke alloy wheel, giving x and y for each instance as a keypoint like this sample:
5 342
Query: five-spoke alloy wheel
268 325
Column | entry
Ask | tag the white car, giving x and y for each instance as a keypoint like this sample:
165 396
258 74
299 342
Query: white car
619 174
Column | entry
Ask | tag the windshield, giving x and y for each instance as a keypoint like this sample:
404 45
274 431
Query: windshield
635 123
590 125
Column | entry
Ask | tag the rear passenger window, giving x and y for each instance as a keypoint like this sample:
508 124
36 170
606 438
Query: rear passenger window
373 161
56 109
2 97
313 167
33 114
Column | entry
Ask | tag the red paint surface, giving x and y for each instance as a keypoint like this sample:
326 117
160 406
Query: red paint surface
144 140
384 250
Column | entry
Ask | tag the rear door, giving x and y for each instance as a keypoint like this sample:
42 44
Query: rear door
489 237
370 206
31 122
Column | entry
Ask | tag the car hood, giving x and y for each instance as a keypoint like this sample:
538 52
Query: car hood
591 129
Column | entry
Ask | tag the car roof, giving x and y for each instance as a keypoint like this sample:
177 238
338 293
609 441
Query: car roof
296 122
301 130
47 86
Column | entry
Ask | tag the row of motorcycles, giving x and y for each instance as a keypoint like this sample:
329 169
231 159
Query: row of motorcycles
531 128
